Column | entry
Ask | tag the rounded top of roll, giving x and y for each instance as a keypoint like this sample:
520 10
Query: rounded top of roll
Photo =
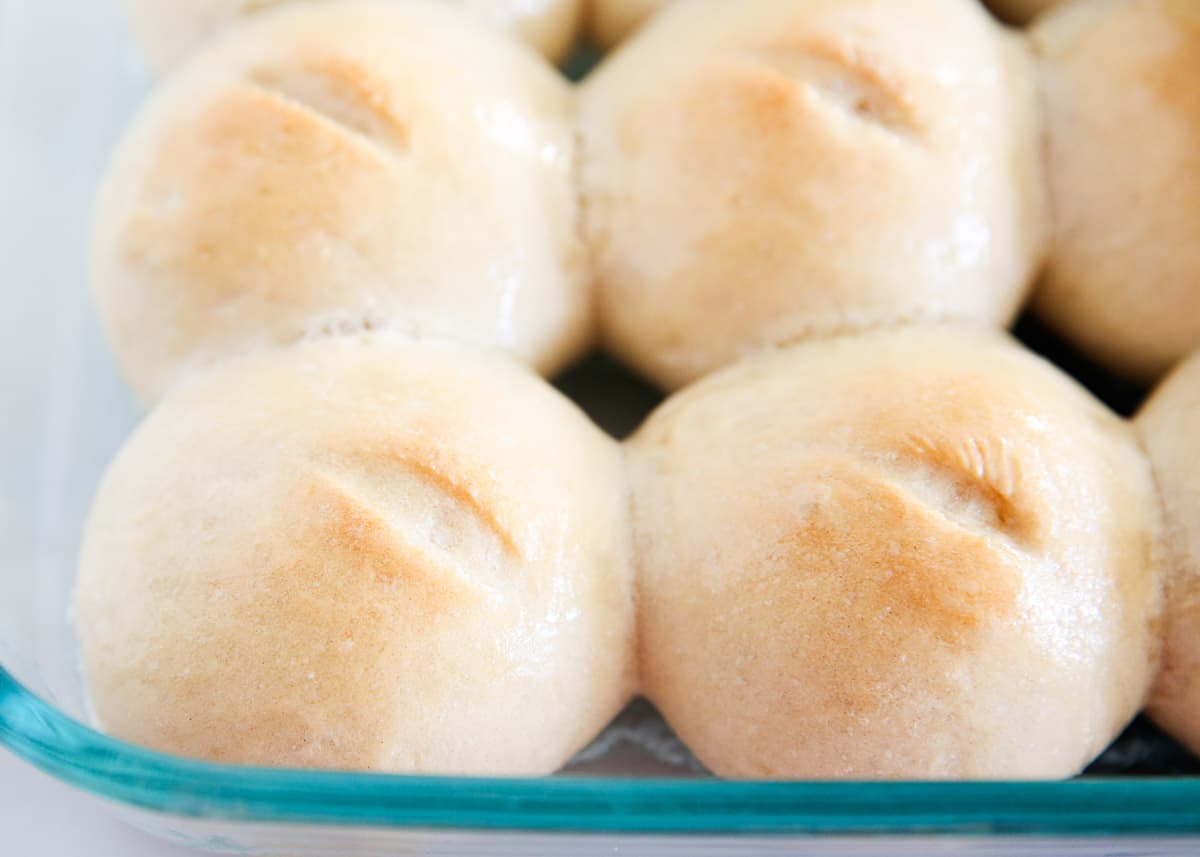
924 554
344 167
355 554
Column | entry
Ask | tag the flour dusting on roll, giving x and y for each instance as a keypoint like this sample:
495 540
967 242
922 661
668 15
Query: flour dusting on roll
361 554
344 167
768 172
913 555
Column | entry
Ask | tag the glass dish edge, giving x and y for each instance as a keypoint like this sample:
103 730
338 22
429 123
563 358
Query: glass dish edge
150 781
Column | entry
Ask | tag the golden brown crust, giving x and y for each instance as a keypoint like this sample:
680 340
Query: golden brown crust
1123 273
361 554
921 554
341 167
767 172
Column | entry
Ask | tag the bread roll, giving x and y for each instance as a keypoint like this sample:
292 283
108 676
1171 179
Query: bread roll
1170 429
365 555
344 166
612 21
768 172
170 30
1022 11
1120 78
923 554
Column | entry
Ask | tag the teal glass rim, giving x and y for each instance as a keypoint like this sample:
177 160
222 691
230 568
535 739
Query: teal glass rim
151 781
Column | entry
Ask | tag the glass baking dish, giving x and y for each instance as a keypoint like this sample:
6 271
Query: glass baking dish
69 81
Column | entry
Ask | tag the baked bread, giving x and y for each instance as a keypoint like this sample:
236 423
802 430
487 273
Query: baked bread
768 172
1170 429
363 555
1022 11
344 166
922 554
170 30
1123 106
610 22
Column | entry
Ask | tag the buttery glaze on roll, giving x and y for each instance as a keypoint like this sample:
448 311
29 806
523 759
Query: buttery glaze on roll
170 30
767 172
361 555
1123 115
1170 430
344 166
915 555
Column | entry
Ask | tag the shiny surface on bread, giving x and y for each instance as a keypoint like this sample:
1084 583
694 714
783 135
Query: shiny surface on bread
767 172
362 554
342 167
922 554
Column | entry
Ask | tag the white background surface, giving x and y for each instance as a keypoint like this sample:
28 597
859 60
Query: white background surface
40 817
